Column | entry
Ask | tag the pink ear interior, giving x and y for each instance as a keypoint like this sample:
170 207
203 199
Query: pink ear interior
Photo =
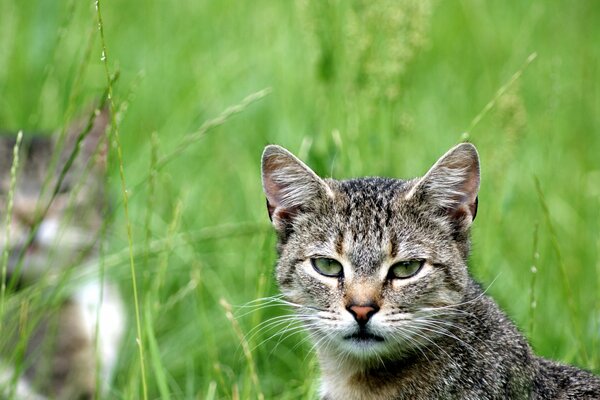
288 183
273 191
453 182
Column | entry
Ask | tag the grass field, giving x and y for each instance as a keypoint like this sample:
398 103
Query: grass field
354 88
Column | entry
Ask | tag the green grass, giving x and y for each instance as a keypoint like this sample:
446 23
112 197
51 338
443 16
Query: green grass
355 89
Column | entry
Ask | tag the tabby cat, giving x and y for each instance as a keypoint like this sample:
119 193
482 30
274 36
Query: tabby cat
49 240
377 271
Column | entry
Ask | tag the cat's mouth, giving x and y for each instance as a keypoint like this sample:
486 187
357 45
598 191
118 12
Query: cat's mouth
364 337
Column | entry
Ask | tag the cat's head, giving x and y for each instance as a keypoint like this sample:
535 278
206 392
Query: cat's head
371 262
65 229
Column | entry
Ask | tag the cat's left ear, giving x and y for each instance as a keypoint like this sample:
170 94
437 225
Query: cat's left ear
452 184
291 187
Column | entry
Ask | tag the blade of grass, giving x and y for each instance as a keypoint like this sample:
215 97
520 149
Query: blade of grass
573 314
211 124
212 391
8 222
154 352
193 137
71 105
245 347
24 332
50 67
115 137
164 256
10 198
534 262
488 107
150 201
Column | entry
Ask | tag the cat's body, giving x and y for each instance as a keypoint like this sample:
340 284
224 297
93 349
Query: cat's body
61 358
377 271
55 335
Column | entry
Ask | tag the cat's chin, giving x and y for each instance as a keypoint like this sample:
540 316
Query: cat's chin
363 345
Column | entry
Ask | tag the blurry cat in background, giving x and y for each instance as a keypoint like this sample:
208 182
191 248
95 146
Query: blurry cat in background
48 238
376 268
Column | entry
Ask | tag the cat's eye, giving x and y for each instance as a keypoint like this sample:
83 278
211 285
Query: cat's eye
327 266
405 269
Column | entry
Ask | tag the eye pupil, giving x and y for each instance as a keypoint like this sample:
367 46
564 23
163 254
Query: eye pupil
327 266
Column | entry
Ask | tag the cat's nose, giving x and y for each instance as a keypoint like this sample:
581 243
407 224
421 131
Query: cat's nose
362 313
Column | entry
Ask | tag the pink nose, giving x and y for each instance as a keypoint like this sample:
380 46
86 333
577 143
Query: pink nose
362 314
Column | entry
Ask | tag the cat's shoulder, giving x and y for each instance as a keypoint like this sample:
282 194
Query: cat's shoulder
560 381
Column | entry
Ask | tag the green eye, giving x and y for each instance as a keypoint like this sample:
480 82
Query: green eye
405 269
327 266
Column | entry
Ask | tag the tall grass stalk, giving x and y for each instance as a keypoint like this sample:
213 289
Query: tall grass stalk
535 256
8 221
573 313
150 198
154 351
211 124
20 348
205 128
61 35
490 105
245 347
115 137
163 262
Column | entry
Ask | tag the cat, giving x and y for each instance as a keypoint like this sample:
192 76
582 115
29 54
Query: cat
59 358
377 271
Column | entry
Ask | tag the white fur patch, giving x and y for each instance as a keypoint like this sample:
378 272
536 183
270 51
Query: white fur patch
22 390
110 316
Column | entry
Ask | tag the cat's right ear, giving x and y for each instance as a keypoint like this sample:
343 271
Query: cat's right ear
290 186
452 184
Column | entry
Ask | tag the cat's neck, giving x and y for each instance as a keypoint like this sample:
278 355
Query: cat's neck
350 378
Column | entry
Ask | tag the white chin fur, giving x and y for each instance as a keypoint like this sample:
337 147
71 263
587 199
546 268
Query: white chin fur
363 349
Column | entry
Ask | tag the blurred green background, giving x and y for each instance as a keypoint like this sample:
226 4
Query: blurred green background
356 88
